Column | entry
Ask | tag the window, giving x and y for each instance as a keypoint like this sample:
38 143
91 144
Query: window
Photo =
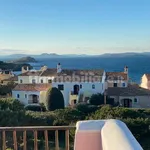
18 96
33 81
21 81
135 100
41 80
25 96
49 81
80 86
75 101
115 84
35 99
61 87
123 84
93 86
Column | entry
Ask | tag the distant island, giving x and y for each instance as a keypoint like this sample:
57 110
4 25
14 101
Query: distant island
23 60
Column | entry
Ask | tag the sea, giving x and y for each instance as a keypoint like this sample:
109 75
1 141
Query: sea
137 65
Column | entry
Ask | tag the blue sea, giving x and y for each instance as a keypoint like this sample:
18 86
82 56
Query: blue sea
137 65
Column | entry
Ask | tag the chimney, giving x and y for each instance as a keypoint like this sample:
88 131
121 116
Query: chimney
44 68
59 68
25 69
126 69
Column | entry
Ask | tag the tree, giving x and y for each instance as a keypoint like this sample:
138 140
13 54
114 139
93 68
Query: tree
54 99
97 99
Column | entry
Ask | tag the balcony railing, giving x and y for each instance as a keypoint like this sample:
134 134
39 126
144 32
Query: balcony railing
30 101
35 129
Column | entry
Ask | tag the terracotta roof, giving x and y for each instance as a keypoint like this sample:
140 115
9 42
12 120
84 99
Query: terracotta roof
49 72
31 73
32 87
15 78
116 76
128 91
79 76
68 72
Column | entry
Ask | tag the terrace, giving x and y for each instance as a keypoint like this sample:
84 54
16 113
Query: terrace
93 134
34 130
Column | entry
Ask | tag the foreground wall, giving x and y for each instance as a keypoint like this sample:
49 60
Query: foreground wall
104 135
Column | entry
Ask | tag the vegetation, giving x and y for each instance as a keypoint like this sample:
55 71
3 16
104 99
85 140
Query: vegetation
7 89
23 60
54 99
10 104
13 66
13 114
35 108
99 99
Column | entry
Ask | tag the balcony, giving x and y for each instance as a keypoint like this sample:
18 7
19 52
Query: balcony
20 136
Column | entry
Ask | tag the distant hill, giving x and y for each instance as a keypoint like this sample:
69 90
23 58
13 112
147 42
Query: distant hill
46 55
23 60
130 54
13 66
54 55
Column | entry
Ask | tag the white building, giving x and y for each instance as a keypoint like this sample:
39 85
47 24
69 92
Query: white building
75 85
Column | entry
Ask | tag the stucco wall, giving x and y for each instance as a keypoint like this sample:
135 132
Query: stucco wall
142 101
22 94
28 79
43 96
25 79
69 86
119 84
144 82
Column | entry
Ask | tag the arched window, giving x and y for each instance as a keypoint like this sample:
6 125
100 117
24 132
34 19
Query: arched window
41 80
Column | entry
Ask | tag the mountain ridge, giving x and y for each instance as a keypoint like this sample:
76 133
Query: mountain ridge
55 55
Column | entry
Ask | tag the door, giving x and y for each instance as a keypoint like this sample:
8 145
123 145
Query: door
76 89
126 102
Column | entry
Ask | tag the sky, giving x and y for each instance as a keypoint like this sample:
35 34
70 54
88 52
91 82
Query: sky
74 26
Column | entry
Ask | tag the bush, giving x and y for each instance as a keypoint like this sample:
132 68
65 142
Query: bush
35 108
11 104
97 99
54 99
138 126
86 109
68 116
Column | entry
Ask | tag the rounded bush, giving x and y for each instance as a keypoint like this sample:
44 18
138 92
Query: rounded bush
35 108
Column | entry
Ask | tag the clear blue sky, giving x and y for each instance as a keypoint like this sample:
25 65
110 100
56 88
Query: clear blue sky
74 26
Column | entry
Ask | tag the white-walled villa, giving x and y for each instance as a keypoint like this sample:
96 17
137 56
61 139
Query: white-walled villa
73 84
77 86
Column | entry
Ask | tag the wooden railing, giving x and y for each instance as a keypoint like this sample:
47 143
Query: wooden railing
35 130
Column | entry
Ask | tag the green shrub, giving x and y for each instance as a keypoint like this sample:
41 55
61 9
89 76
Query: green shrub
11 104
138 126
54 99
109 112
68 116
97 99
35 108
86 109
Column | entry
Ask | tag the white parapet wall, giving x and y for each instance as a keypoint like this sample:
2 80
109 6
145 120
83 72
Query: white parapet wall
104 135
